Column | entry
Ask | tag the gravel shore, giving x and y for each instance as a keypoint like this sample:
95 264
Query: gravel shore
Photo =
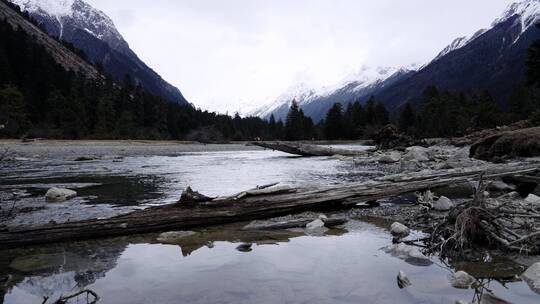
99 148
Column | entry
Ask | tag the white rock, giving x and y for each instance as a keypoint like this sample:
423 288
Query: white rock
316 224
399 230
532 277
532 199
500 186
59 195
402 280
392 157
443 204
322 217
462 280
173 237
418 154
409 254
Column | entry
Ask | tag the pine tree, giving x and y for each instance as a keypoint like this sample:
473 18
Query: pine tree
13 113
407 119
333 124
106 117
294 123
533 63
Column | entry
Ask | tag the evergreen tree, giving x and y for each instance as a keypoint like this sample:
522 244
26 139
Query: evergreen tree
533 63
13 113
333 124
294 125
106 117
407 119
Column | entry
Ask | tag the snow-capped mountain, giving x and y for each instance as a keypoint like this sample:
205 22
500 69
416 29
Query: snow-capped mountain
316 102
492 59
93 32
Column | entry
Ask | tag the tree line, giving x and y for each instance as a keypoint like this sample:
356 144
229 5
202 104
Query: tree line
39 98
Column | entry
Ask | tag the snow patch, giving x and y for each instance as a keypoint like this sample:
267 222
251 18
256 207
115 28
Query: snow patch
56 8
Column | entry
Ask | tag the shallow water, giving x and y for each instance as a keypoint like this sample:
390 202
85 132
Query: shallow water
343 266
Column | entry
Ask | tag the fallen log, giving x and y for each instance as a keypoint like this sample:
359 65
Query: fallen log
180 216
302 149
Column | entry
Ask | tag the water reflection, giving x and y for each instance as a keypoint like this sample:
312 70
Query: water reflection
344 266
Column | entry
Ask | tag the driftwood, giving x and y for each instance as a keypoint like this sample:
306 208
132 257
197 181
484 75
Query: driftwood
180 216
302 149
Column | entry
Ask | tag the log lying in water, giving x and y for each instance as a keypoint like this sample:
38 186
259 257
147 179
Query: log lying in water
306 149
219 211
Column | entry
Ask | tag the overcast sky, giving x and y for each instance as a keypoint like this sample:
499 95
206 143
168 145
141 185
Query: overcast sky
228 55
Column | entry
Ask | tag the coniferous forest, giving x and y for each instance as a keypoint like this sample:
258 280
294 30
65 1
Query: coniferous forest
39 98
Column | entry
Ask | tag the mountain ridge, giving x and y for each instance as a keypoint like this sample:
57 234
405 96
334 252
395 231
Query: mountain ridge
93 32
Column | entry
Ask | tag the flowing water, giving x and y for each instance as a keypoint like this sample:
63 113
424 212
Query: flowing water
343 265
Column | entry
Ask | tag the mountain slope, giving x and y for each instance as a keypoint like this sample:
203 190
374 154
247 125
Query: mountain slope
59 52
316 103
92 31
493 60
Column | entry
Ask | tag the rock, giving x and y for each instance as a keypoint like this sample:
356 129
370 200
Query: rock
509 144
460 159
190 197
500 186
532 277
462 280
443 204
246 247
316 224
59 195
410 166
532 199
85 158
392 157
399 230
416 153
408 253
460 190
402 280
173 237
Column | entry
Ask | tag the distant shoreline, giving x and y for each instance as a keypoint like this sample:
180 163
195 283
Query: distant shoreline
48 148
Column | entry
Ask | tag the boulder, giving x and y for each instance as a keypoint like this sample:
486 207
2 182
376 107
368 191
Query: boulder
462 280
408 253
416 153
443 204
533 199
509 144
190 197
399 230
173 237
392 157
314 225
402 280
532 277
59 195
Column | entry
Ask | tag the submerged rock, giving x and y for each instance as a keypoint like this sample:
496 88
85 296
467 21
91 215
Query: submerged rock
246 247
399 230
402 280
59 195
173 237
462 280
408 253
532 277
443 204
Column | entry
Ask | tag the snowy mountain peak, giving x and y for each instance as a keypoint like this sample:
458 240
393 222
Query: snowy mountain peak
528 10
53 7
75 13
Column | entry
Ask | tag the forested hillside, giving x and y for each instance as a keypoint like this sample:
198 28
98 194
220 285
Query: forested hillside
40 98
